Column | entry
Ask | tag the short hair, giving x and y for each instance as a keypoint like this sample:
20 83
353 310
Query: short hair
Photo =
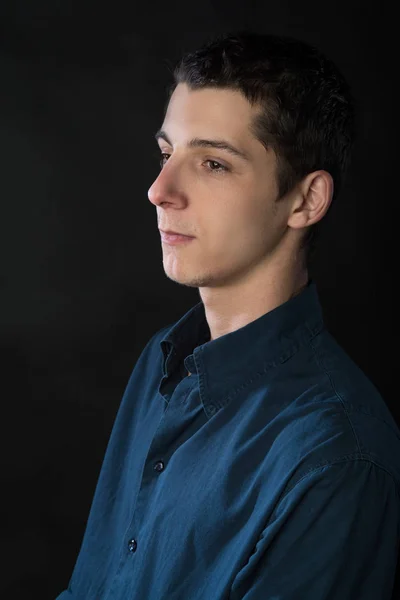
307 110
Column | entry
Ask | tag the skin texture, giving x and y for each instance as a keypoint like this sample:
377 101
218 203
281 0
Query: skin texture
244 257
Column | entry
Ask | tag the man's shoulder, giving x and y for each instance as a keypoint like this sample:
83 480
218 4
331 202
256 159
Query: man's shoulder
339 414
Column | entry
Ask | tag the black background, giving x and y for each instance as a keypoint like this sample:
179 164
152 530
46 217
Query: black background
81 280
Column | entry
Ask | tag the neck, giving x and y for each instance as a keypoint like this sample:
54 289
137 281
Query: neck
234 305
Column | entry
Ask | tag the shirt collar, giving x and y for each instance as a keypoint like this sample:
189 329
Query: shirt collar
225 363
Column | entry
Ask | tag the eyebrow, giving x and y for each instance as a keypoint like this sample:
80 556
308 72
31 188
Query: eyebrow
200 143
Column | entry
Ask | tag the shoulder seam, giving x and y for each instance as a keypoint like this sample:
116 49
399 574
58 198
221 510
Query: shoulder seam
344 459
337 395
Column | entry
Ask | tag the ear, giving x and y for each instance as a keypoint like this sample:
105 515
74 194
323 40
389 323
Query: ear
312 200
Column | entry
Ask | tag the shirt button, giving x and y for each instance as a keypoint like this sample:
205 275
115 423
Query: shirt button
132 545
159 466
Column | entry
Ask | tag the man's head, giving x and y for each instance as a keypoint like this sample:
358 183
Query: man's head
290 112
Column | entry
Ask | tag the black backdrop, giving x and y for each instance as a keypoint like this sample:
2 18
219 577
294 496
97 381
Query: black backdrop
82 284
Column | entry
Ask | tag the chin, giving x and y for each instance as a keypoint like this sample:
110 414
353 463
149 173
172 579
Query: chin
194 282
199 278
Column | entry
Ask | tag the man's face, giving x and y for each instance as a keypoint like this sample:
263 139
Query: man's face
232 213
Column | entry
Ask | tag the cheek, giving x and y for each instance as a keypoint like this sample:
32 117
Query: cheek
256 229
235 235
250 218
238 217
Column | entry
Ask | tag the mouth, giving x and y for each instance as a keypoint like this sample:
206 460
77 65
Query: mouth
175 238
169 232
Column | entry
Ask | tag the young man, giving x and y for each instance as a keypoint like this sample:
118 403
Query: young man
251 459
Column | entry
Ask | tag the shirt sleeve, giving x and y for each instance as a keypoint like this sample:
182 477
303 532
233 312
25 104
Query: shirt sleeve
334 535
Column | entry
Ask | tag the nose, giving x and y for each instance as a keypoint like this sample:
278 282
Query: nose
168 186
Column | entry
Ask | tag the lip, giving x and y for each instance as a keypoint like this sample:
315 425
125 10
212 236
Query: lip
174 238
174 233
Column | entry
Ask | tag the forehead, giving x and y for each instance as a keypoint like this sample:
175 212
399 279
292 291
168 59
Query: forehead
210 112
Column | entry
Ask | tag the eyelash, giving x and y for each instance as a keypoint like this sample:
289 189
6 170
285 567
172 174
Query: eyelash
221 168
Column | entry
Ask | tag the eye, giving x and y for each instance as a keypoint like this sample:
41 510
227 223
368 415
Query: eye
219 167
215 166
163 155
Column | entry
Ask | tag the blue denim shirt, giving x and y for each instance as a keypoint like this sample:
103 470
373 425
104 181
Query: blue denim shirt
263 465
